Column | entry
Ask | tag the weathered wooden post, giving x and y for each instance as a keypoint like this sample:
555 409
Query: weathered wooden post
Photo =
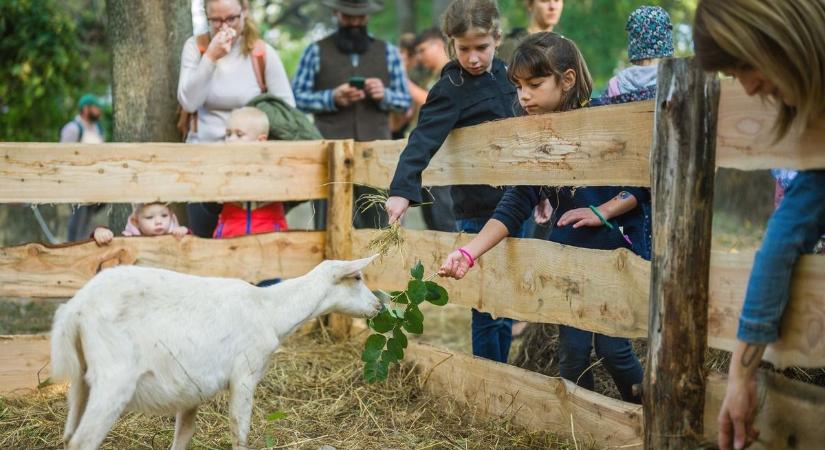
682 168
339 218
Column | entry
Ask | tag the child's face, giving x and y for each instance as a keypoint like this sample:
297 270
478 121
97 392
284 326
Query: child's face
755 82
431 54
475 51
154 220
539 95
237 131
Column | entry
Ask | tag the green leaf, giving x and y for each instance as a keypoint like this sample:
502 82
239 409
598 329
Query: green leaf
396 348
414 320
389 357
436 294
373 347
399 335
383 322
277 415
416 291
399 297
375 371
397 312
417 271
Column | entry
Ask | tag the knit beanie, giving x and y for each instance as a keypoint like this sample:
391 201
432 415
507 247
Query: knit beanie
649 33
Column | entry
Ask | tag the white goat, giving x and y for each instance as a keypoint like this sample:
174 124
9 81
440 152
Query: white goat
162 342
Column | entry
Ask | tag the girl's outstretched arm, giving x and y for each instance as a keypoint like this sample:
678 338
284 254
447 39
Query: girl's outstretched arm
586 217
458 263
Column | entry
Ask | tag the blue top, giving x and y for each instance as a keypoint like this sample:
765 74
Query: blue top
793 229
518 202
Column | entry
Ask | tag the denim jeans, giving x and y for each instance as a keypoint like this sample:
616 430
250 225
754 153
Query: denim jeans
617 356
491 337
793 229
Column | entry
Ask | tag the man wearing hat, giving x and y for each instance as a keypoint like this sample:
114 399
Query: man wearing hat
85 128
350 81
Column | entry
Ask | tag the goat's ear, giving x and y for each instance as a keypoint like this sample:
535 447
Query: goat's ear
348 269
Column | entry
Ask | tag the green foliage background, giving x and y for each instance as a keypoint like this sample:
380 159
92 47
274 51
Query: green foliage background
52 51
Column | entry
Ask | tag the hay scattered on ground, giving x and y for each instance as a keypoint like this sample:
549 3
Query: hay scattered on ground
314 397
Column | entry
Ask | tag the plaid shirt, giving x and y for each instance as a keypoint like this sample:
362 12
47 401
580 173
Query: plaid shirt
307 99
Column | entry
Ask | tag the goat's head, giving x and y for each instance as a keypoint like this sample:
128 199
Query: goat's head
347 292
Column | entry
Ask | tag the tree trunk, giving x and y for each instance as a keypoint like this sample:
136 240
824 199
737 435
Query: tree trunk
146 38
405 14
682 171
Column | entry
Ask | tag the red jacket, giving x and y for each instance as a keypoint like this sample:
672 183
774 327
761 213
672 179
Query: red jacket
241 221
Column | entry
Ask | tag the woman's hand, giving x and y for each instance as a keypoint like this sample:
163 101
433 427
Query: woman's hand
580 217
736 430
102 236
179 231
542 212
455 266
221 44
396 208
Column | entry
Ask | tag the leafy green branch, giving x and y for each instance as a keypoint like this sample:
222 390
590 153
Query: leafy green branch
400 315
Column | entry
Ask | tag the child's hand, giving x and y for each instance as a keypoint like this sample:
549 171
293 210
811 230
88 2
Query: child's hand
456 266
103 236
580 217
542 212
396 208
179 232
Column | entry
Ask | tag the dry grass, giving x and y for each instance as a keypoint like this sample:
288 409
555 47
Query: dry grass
316 386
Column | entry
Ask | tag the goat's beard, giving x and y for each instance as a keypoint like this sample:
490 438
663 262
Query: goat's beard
351 40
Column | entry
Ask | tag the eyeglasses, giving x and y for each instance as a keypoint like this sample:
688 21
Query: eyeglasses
217 22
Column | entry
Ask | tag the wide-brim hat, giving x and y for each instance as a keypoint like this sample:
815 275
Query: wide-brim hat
354 7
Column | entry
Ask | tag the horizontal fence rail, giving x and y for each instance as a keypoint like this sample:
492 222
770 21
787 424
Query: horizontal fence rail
145 172
37 270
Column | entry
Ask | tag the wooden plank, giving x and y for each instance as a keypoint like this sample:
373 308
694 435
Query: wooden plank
802 333
339 220
86 173
607 145
24 363
529 399
744 139
527 279
789 415
682 165
37 270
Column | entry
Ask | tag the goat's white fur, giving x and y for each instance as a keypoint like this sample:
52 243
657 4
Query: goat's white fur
162 342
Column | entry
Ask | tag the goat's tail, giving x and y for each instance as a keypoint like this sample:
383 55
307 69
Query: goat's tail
67 351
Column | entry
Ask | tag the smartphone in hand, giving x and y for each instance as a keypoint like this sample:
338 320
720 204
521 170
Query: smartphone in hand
357 82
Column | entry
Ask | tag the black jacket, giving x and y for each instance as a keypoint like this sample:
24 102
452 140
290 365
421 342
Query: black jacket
457 100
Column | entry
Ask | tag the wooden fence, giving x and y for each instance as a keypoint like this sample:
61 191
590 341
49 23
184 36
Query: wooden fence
604 291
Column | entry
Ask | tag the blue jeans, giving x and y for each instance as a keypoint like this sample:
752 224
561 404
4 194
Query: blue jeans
793 229
617 356
491 337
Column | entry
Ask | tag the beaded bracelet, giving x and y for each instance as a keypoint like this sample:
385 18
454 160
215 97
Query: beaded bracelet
468 256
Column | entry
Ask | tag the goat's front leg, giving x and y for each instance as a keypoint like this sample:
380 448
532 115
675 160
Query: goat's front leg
241 395
184 428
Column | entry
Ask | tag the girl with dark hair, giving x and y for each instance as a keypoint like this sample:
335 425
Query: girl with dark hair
552 76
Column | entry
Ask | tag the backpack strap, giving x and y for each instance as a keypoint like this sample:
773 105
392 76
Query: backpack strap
79 130
259 63
202 41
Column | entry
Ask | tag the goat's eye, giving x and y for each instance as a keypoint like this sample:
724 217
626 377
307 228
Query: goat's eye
358 277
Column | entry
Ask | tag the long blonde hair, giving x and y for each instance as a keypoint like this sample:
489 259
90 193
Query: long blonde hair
784 40
250 33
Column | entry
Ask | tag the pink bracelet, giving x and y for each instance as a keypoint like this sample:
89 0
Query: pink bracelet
468 256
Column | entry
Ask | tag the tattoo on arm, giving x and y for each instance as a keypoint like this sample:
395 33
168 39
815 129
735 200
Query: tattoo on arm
624 195
750 353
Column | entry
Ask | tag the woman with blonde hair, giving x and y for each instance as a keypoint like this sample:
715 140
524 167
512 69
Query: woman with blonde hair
776 49
221 71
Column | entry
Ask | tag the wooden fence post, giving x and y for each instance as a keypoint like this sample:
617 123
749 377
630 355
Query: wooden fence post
682 171
339 219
